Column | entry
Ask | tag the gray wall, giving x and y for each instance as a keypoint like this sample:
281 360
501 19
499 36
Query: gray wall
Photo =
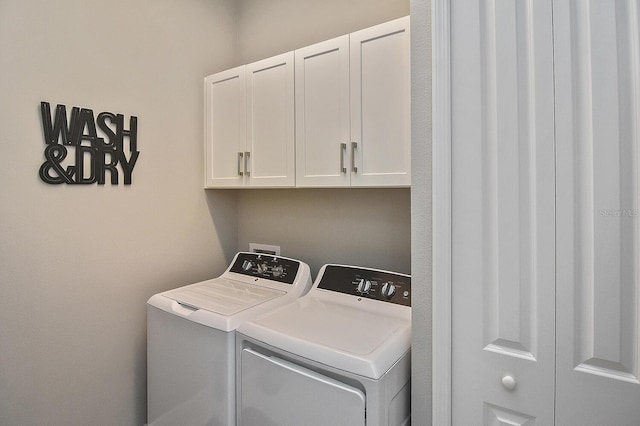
77 263
270 27
368 227
365 227
421 208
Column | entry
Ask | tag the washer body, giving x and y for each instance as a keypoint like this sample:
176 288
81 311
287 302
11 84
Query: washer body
191 337
339 355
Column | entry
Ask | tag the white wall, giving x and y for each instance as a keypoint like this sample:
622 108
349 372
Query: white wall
77 263
362 227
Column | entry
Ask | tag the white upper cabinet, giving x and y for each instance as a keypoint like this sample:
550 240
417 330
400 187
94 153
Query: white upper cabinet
353 109
270 157
381 105
225 129
250 125
322 114
334 114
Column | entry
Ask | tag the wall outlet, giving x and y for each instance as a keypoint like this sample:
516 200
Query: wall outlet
264 248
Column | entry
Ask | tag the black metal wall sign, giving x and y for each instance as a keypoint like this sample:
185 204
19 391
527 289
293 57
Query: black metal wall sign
94 155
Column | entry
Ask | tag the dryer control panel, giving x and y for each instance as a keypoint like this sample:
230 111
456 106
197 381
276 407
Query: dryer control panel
266 266
367 283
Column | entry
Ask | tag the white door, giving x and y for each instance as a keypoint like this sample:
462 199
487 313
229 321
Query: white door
503 202
381 105
270 122
225 128
504 213
597 63
322 114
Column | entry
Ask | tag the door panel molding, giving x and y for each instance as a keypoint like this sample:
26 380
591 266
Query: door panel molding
500 416
510 176
597 79
503 203
441 154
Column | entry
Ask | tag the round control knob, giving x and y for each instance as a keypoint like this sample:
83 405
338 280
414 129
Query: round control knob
247 265
388 290
277 271
509 382
262 268
364 286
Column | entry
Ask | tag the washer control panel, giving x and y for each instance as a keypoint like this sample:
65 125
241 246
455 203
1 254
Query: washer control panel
266 266
367 283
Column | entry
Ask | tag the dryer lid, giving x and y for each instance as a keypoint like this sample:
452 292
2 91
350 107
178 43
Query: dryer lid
359 341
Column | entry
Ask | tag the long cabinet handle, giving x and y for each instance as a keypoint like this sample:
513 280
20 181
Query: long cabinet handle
343 149
240 155
354 146
247 154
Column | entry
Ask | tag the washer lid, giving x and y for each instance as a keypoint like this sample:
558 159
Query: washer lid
361 341
222 296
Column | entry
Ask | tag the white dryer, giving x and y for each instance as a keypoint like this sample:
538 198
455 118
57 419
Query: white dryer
191 337
338 356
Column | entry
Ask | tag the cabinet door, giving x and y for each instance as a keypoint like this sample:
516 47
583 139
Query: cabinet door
503 202
270 122
381 105
322 114
597 64
225 128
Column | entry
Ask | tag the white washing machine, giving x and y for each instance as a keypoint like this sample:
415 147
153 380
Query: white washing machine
191 337
338 356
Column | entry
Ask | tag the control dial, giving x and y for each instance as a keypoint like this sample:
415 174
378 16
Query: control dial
364 286
388 290
247 265
277 271
262 268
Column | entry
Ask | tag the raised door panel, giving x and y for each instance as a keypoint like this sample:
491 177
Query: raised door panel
322 114
225 128
381 105
597 57
497 416
270 122
503 204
